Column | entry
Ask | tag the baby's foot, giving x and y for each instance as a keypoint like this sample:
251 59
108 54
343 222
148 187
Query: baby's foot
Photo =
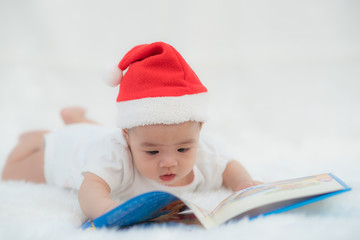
73 115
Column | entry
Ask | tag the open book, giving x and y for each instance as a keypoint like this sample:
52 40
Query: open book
262 199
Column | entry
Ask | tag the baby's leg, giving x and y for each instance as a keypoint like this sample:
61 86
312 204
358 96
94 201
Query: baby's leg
28 143
26 161
29 169
72 115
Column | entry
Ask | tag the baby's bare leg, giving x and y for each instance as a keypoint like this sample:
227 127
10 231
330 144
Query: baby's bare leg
72 115
28 143
30 169
26 160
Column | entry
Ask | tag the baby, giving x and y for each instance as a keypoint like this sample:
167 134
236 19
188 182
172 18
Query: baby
161 108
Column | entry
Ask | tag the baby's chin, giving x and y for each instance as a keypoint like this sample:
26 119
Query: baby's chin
166 180
170 180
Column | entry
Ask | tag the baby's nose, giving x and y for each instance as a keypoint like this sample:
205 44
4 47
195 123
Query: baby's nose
168 162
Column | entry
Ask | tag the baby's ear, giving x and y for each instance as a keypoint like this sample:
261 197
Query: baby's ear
125 133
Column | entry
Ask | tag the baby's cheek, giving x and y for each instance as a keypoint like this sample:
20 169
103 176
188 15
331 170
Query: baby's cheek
147 169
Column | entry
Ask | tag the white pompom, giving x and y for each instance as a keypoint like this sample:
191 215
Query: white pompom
112 76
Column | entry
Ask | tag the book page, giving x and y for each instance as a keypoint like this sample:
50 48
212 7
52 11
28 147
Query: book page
204 216
264 194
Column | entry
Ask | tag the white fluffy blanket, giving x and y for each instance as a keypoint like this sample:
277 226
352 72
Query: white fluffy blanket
30 211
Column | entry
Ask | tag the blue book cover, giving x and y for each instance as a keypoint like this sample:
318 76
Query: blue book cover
264 199
136 210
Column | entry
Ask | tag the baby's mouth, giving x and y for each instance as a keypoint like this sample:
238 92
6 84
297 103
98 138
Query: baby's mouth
167 177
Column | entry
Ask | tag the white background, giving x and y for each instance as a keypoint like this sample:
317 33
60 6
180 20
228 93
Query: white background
284 76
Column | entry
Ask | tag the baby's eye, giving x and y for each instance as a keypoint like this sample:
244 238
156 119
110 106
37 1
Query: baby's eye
183 149
152 152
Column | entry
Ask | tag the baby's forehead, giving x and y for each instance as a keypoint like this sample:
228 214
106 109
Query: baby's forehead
162 134
187 124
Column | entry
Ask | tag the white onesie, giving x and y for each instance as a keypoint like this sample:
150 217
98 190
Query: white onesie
72 150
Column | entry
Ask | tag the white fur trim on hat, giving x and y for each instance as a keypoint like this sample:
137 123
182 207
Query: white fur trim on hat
162 110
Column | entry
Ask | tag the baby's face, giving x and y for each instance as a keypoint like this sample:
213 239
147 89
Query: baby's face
165 153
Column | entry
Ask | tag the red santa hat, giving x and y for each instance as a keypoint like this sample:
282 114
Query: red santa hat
159 87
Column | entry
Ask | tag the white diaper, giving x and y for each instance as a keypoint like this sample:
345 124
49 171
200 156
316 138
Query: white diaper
65 153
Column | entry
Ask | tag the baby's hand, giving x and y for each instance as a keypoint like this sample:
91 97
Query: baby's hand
246 184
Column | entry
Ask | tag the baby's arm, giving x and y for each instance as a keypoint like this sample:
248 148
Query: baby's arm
94 196
236 177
